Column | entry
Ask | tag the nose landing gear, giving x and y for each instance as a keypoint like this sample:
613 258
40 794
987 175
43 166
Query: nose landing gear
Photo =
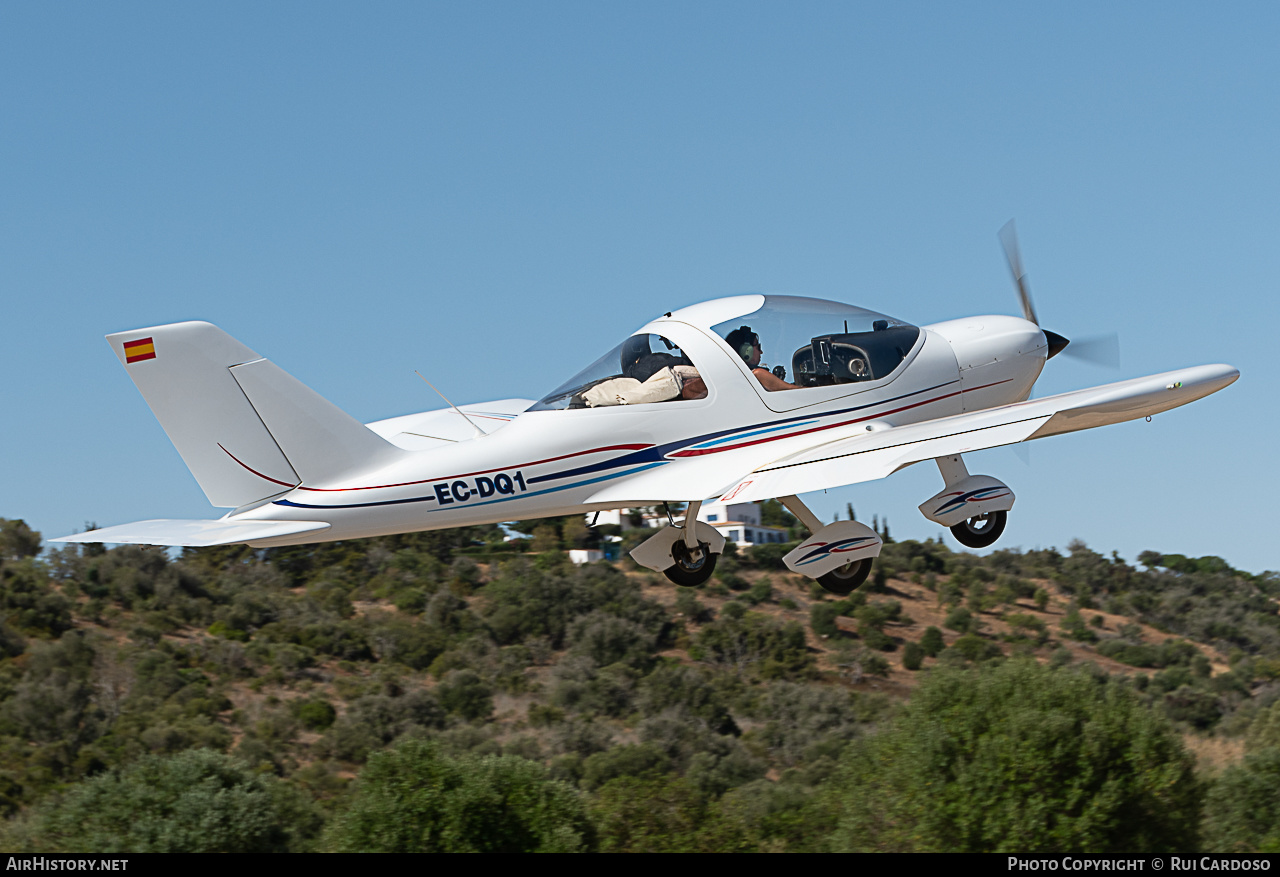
691 568
685 554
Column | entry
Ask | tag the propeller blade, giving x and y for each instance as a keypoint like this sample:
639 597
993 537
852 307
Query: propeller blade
1101 350
1023 452
1009 238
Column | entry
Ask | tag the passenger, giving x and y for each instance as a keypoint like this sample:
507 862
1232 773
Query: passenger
672 382
691 384
747 345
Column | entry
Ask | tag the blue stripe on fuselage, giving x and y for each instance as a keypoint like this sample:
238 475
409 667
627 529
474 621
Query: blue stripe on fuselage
658 453
432 498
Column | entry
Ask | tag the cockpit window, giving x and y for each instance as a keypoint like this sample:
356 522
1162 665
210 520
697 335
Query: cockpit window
817 343
644 368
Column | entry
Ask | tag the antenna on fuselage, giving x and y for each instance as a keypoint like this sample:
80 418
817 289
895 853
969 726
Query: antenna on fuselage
479 431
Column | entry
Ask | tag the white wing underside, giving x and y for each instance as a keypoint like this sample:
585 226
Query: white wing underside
853 455
195 534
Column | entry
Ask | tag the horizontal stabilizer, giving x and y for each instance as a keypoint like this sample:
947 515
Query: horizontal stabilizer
444 426
194 534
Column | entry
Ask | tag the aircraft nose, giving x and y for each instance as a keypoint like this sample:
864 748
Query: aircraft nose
1056 342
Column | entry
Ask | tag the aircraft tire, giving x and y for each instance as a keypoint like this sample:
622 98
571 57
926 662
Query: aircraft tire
687 573
844 581
981 531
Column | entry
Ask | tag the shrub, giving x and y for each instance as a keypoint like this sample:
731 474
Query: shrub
799 723
1198 708
1024 627
932 641
415 799
912 656
755 644
768 555
608 639
761 592
315 715
465 693
672 686
879 640
688 605
525 601
959 619
375 720
1242 807
857 662
1018 757
975 648
639 760
822 618
658 814
197 801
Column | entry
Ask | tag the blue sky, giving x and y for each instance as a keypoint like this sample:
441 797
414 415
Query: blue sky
496 193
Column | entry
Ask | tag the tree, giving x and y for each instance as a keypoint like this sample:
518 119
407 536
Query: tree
465 693
416 799
1242 809
932 641
17 540
1019 757
773 514
654 814
197 801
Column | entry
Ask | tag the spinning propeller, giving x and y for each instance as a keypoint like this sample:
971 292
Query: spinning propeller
1096 349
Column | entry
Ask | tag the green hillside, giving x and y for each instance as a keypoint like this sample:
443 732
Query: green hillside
449 691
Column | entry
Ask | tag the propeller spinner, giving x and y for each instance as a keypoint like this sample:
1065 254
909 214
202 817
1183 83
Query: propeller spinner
1099 349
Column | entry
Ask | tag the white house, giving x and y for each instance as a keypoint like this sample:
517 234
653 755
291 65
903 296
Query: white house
738 521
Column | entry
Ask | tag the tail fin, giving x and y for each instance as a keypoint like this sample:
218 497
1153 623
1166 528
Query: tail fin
246 429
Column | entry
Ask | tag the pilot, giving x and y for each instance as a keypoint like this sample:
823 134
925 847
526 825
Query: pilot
747 345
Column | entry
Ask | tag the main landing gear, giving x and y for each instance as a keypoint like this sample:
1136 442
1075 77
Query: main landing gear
838 556
685 554
981 531
974 507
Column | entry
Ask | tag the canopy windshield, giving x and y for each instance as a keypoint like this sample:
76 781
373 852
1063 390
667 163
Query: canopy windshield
807 342
645 368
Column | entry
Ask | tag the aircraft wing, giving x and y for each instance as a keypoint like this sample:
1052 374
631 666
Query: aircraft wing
867 456
853 454
194 534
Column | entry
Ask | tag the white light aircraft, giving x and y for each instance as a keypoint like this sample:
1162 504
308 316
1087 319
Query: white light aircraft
680 411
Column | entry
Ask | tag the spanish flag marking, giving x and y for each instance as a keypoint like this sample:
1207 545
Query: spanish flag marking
137 351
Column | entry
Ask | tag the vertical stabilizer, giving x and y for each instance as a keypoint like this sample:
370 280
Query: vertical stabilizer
246 429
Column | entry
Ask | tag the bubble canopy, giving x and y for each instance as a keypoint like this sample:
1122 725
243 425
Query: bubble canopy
812 342
819 343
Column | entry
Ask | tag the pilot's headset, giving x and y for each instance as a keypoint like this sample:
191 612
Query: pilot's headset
743 341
